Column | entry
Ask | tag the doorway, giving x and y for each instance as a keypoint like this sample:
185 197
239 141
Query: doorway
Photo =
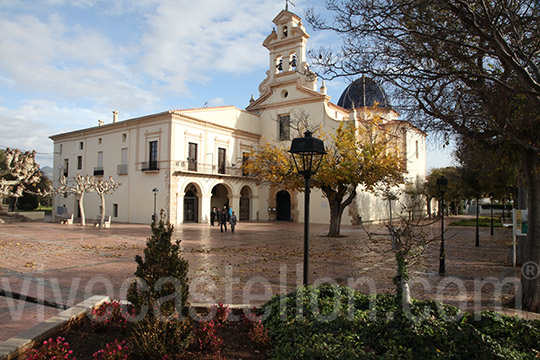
283 206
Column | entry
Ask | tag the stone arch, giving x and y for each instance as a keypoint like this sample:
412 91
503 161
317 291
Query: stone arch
191 203
221 195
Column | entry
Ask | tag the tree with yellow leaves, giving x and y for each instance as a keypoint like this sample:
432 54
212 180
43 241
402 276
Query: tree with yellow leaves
358 154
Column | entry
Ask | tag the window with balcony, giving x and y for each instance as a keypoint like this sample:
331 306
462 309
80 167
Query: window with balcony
152 163
123 167
221 160
192 157
98 170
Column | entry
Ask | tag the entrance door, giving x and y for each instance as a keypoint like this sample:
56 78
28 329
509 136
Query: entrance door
244 208
191 207
283 206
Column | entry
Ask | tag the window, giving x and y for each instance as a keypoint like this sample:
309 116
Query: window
192 157
66 167
416 152
81 145
124 137
115 210
61 147
99 141
79 162
284 127
152 164
98 170
221 160
123 167
245 159
153 154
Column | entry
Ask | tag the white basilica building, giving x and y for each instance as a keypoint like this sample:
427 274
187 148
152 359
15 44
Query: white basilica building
193 157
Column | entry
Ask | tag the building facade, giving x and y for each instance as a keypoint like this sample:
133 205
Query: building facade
194 157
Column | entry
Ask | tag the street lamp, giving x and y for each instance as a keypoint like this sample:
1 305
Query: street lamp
477 221
307 153
491 196
154 217
442 185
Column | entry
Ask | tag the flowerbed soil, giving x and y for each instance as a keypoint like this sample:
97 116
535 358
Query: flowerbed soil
85 341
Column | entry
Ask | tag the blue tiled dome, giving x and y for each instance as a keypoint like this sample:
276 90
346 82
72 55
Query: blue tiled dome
363 92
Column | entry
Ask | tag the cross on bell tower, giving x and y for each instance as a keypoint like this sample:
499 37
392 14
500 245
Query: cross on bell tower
287 2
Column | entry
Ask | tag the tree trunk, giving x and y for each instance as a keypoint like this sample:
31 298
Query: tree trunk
428 205
81 210
336 212
529 274
521 204
102 221
337 207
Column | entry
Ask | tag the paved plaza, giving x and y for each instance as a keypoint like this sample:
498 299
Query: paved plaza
64 264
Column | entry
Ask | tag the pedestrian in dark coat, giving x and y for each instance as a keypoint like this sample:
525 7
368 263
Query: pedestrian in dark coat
223 219
232 221
213 216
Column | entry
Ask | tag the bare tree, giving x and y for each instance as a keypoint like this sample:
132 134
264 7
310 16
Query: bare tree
470 67
409 240
103 188
83 185
20 169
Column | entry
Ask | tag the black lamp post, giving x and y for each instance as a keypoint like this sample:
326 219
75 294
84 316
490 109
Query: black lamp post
491 196
307 153
477 221
154 217
442 185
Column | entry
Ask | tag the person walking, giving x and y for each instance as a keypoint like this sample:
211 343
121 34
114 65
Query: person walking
232 221
213 216
223 219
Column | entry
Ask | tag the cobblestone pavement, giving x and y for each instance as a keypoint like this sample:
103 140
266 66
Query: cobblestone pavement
65 264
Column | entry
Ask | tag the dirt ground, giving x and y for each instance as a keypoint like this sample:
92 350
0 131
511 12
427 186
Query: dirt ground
66 263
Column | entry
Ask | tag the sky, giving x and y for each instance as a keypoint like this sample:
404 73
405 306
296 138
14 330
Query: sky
65 64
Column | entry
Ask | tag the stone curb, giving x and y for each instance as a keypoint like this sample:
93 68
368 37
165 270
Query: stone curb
14 348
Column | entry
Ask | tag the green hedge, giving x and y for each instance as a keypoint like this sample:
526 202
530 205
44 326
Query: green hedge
333 322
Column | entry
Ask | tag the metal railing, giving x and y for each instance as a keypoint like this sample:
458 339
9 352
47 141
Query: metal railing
150 166
123 169
98 171
204 168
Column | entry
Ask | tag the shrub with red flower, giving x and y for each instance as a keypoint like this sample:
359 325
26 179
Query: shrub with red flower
51 349
208 336
117 350
257 332
111 314
221 313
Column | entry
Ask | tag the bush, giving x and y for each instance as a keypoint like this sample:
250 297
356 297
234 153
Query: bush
333 322
51 349
154 339
110 315
117 350
164 272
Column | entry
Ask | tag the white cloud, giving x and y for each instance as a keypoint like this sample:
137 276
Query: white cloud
187 42
69 63
29 125
216 102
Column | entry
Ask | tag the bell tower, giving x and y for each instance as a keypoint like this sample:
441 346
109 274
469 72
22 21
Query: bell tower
287 46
